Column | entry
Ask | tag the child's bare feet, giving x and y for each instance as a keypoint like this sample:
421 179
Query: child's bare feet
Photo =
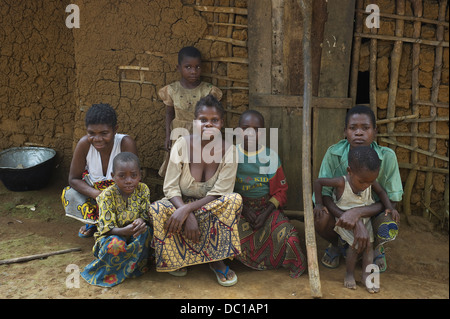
371 287
349 281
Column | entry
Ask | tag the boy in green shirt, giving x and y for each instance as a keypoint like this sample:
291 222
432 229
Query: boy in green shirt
360 130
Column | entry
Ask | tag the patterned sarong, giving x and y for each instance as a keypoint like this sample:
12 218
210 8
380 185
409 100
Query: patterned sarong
275 244
385 229
118 259
219 237
82 207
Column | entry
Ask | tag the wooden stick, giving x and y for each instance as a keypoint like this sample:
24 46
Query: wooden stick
431 103
414 149
414 135
428 119
407 18
223 77
215 9
133 67
239 43
310 236
136 81
404 39
244 88
398 119
434 98
38 256
396 56
228 59
430 210
223 24
416 167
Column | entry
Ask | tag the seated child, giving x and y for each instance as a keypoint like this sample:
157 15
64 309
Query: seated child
122 240
261 182
355 190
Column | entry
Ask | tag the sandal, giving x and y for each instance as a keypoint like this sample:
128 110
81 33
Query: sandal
227 283
333 256
381 255
89 229
179 272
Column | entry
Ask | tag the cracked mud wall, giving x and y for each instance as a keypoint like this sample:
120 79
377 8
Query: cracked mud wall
140 33
37 76
50 74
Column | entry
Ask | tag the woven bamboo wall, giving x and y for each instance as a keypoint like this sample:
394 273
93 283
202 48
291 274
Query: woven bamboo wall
407 59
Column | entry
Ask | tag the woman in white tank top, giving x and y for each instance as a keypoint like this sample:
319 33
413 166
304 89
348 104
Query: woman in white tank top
90 170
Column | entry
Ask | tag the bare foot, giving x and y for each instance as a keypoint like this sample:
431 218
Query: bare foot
370 287
349 281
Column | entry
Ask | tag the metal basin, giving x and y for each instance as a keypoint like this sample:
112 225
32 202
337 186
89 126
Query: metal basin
26 168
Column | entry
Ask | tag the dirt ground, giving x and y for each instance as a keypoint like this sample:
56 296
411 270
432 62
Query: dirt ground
418 263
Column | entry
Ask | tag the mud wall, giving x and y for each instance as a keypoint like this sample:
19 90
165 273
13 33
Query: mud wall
124 52
37 76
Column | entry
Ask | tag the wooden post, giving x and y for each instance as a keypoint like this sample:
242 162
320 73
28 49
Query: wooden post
396 56
310 237
410 181
433 110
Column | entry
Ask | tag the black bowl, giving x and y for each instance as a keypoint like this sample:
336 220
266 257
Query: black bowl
26 168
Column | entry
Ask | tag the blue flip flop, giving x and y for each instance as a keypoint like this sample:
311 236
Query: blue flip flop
333 257
381 255
227 283
88 227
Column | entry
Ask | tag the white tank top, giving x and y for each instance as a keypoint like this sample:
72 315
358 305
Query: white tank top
94 161
349 199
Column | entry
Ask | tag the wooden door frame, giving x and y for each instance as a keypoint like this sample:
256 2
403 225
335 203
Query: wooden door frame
331 100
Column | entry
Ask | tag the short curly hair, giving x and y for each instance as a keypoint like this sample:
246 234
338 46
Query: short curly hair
209 101
190 52
125 157
361 109
363 157
101 114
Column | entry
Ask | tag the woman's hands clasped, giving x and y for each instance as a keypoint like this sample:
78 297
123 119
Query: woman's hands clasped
183 217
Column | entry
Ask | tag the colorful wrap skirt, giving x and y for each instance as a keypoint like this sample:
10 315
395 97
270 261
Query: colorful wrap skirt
118 259
219 237
82 207
276 244
385 229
